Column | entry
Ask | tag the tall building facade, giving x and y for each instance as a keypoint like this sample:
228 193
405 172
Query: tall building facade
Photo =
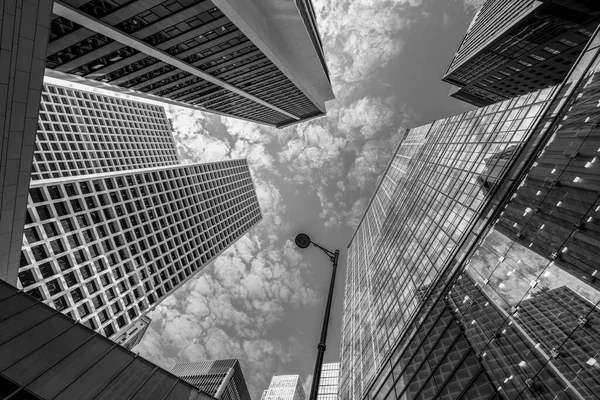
427 204
433 262
513 47
222 379
262 61
107 246
46 355
329 382
284 387
83 132
23 22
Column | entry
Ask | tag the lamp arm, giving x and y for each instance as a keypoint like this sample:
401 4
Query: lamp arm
329 253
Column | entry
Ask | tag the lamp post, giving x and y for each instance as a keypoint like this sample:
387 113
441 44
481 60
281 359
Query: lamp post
303 241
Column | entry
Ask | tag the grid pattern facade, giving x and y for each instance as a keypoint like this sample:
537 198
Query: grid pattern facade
538 271
549 318
284 387
222 379
435 360
514 47
192 31
106 248
529 322
556 212
329 382
425 207
518 365
44 355
82 133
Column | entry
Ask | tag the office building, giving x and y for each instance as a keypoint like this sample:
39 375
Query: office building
134 335
107 248
284 387
262 61
433 252
329 382
21 72
46 355
513 47
114 222
425 207
222 379
82 133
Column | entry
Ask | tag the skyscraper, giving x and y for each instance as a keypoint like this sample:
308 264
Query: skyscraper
425 208
82 133
328 385
284 387
45 355
106 247
261 60
513 47
432 263
23 23
222 379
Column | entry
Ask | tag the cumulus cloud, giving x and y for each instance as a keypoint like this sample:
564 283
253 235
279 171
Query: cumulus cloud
361 35
474 3
228 309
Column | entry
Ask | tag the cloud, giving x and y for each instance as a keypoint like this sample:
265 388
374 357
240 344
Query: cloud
227 310
446 20
473 3
307 384
361 35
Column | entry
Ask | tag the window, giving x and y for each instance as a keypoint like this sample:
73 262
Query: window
551 50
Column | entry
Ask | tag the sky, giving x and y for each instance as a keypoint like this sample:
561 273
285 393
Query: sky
262 301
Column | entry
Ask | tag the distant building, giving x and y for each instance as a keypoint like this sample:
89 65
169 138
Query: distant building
222 379
261 61
513 47
46 355
329 382
285 387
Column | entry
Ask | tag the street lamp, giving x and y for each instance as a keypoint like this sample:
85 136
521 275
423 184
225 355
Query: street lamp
303 241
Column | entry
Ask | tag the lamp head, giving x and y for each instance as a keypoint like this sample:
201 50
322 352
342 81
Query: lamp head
302 240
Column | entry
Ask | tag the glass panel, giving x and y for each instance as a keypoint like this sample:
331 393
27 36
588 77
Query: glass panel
20 346
50 353
18 323
97 376
128 381
157 386
66 371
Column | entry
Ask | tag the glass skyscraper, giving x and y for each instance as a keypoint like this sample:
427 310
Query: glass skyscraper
109 234
513 47
459 239
329 382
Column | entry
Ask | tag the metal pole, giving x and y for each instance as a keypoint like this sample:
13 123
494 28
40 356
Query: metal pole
321 346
